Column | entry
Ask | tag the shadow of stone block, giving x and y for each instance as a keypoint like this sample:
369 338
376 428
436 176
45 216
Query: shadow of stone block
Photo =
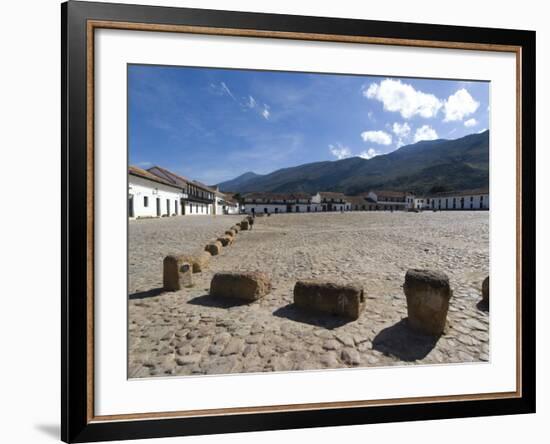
318 319
146 294
211 301
483 305
404 343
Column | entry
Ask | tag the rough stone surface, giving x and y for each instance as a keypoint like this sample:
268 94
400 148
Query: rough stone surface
245 225
346 300
375 248
485 290
214 248
428 294
231 232
177 273
248 286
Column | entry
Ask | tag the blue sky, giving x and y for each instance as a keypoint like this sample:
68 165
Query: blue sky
215 124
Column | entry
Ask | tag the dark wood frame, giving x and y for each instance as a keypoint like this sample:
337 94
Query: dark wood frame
79 20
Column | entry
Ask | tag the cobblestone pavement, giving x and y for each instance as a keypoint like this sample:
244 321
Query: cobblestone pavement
188 332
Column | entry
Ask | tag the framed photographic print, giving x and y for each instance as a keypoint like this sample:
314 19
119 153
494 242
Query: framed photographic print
276 221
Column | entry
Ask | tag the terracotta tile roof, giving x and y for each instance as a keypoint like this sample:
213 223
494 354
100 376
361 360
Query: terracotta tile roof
356 200
386 193
475 192
135 171
331 195
277 197
178 179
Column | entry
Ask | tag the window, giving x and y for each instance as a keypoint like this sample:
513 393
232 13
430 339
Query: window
454 203
145 201
481 202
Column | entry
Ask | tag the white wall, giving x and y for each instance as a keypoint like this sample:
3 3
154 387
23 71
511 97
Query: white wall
473 202
30 381
198 209
168 198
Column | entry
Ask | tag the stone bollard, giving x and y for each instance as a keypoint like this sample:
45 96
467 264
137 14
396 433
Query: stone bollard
250 286
236 228
176 273
250 220
231 232
428 294
214 248
244 225
198 262
485 291
225 240
346 300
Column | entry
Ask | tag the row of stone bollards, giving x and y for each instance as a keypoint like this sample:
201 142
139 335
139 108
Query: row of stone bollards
177 270
427 292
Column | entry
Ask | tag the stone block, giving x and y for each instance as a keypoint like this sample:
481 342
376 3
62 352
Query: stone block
176 273
428 293
244 225
225 240
214 248
347 300
249 286
199 262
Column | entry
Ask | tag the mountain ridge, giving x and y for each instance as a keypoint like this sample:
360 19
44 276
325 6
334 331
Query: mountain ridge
451 164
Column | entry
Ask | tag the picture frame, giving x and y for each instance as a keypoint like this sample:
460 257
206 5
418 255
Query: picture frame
80 21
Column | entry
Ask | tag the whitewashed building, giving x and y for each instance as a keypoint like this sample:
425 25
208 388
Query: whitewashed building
390 200
225 204
459 200
331 201
199 198
152 196
273 203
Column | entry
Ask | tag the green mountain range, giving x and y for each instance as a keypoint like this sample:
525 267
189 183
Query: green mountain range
427 166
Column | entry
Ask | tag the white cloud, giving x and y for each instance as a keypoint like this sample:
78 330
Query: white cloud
403 98
425 132
470 122
251 102
265 112
459 105
401 129
370 115
379 137
339 151
369 154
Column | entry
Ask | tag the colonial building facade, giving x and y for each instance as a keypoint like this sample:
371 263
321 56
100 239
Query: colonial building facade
199 198
273 203
152 196
158 192
463 200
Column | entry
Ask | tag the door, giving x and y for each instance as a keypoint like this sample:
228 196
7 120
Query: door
168 207
158 206
131 206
